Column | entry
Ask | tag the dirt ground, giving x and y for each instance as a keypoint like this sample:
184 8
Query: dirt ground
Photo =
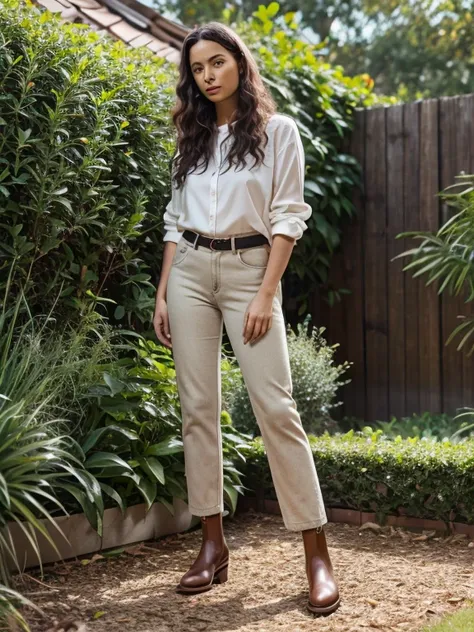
390 580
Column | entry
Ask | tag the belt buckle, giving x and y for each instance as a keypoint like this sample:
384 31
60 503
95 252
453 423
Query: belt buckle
210 244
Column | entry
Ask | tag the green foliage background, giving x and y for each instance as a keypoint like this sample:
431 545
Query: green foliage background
85 150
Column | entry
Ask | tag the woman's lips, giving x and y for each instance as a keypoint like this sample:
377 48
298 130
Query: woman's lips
212 90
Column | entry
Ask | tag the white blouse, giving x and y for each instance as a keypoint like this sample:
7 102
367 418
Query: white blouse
267 199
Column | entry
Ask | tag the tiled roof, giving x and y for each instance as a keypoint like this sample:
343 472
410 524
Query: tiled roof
128 20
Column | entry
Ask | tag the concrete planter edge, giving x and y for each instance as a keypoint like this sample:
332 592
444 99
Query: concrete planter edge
136 525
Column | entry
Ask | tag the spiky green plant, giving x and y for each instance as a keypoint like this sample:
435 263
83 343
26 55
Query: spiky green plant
447 256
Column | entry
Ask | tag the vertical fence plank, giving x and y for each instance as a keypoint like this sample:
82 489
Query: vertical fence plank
465 156
411 195
396 277
333 318
354 393
375 266
429 303
393 328
451 360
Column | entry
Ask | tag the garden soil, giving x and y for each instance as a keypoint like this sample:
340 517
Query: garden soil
389 580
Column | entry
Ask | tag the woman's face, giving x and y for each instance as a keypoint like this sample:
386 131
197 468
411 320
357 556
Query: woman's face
213 65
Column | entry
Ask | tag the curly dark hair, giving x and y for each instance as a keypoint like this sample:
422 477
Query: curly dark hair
195 117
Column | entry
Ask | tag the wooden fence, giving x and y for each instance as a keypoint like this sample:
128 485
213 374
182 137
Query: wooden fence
391 326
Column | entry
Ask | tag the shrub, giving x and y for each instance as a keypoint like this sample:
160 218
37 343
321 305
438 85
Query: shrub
315 380
84 162
132 435
368 472
441 427
39 456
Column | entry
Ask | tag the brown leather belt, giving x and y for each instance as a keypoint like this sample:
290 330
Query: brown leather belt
224 243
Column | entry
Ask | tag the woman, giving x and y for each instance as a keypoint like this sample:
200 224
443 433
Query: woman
236 211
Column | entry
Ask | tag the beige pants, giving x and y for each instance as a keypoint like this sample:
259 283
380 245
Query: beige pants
207 289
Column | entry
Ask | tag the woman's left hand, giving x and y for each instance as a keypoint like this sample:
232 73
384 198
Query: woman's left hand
258 317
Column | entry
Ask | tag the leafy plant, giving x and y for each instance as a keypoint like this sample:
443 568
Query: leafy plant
132 441
84 151
447 256
36 458
440 427
41 364
32 466
315 379
322 101
10 601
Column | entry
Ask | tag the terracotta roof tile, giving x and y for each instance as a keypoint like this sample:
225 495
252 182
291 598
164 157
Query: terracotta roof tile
175 56
164 52
165 36
128 20
141 40
66 4
125 31
86 4
53 6
102 16
155 45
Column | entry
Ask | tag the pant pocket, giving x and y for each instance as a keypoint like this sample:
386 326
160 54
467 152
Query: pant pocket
256 258
182 250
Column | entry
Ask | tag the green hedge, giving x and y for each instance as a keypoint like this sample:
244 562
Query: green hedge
85 145
369 472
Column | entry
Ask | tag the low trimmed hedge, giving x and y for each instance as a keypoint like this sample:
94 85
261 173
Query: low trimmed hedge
369 472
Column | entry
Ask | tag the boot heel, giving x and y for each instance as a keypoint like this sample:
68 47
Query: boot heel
222 575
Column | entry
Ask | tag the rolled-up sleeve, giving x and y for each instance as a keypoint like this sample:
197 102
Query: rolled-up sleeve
288 210
170 218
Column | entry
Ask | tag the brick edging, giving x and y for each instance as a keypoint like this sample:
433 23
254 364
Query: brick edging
355 517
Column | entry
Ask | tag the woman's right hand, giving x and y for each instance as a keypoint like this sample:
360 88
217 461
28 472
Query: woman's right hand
161 323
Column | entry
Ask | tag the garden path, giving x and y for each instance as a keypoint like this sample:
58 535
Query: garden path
389 582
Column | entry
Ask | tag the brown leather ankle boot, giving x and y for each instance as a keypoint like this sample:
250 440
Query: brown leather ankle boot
323 591
213 560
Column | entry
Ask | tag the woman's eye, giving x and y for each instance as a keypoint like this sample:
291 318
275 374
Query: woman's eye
219 61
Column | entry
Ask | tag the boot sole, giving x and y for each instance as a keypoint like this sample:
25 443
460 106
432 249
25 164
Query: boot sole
220 577
323 610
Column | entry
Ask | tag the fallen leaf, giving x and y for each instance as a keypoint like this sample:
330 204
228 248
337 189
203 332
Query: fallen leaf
61 571
114 552
98 614
459 537
372 602
136 551
94 558
371 526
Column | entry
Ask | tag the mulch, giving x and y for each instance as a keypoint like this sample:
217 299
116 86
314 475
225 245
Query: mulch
389 580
